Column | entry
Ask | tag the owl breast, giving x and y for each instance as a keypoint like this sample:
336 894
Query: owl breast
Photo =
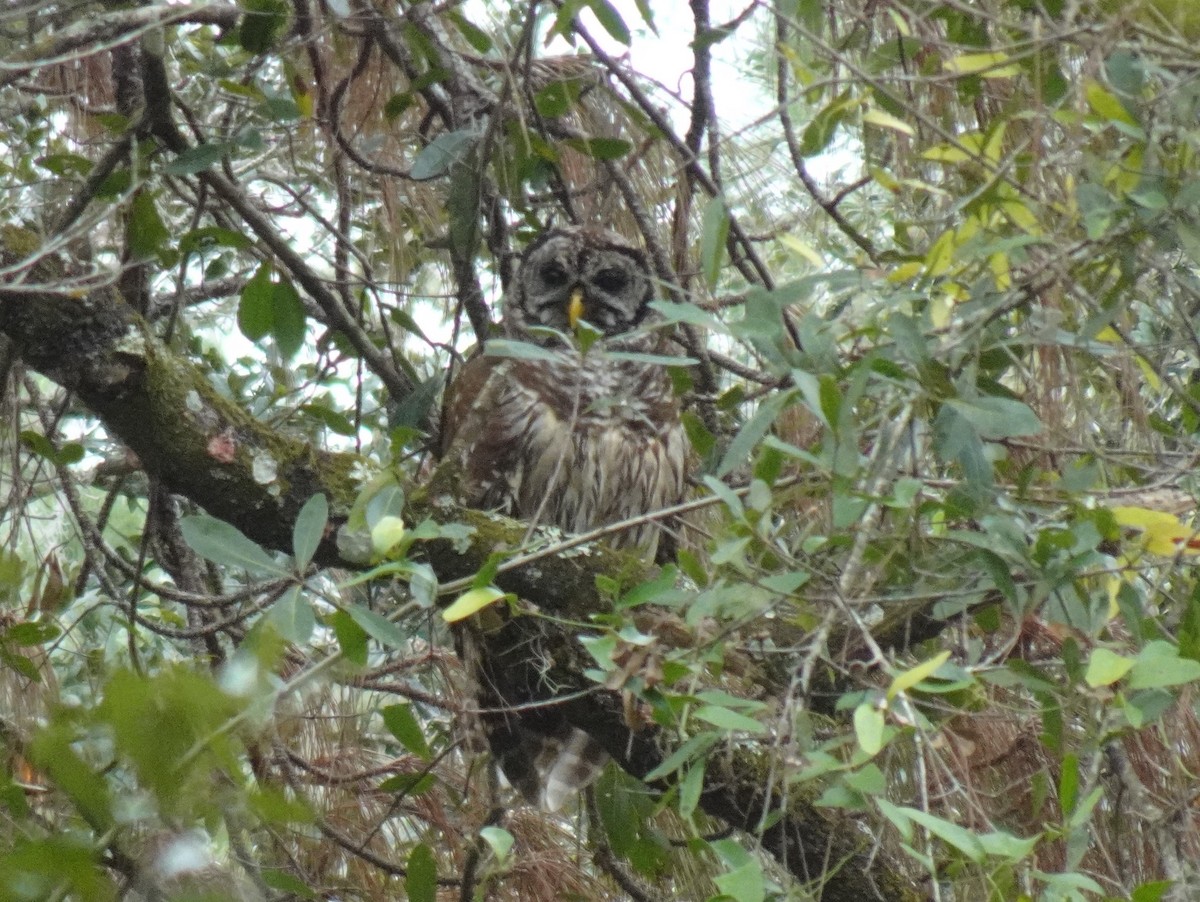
580 443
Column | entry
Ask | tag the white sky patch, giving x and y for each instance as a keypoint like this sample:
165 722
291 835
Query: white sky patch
665 56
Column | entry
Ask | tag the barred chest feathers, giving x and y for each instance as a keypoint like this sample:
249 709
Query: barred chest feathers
582 443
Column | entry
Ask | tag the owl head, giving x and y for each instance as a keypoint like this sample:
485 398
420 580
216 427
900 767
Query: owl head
577 273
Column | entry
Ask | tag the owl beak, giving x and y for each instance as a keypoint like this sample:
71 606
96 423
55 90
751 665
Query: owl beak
575 307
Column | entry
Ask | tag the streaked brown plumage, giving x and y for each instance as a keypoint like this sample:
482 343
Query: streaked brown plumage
569 440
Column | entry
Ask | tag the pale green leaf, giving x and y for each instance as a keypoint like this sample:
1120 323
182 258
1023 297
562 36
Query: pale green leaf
1106 667
868 727
223 543
1159 665
309 529
728 720
499 840
386 534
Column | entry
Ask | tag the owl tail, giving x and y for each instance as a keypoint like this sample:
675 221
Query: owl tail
547 769
579 762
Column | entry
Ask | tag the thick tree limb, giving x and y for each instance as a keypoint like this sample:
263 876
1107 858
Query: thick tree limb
206 448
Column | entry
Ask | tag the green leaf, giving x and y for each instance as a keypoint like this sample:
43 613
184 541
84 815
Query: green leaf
521 350
409 784
309 530
693 750
713 234
38 444
333 420
53 751
557 98
1004 845
397 104
288 318
475 36
600 148
403 725
997 418
440 154
223 543
728 720
352 638
752 432
292 616
377 626
256 312
30 633
420 879
690 789
818 134
196 159
147 233
263 22
608 17
1159 665
690 314
287 883
744 884
206 238
1154 891
65 163
869 727
1107 105
958 837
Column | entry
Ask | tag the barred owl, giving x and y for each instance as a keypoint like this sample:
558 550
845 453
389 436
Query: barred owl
571 440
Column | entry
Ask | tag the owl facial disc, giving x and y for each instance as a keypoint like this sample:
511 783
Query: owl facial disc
580 273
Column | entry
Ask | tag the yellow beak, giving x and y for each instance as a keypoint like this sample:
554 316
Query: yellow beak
575 307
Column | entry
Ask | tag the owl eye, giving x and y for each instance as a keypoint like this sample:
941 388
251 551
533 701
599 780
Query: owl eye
553 275
611 281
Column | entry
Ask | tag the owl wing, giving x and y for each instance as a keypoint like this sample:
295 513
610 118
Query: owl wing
477 433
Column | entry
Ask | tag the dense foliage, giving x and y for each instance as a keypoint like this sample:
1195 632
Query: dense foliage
932 628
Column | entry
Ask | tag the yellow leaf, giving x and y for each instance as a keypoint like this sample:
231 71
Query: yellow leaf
941 255
1148 371
1022 216
1001 274
995 142
1106 105
940 307
803 248
1106 667
946 153
887 120
471 602
386 534
902 682
968 63
1113 589
1162 533
905 271
900 23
